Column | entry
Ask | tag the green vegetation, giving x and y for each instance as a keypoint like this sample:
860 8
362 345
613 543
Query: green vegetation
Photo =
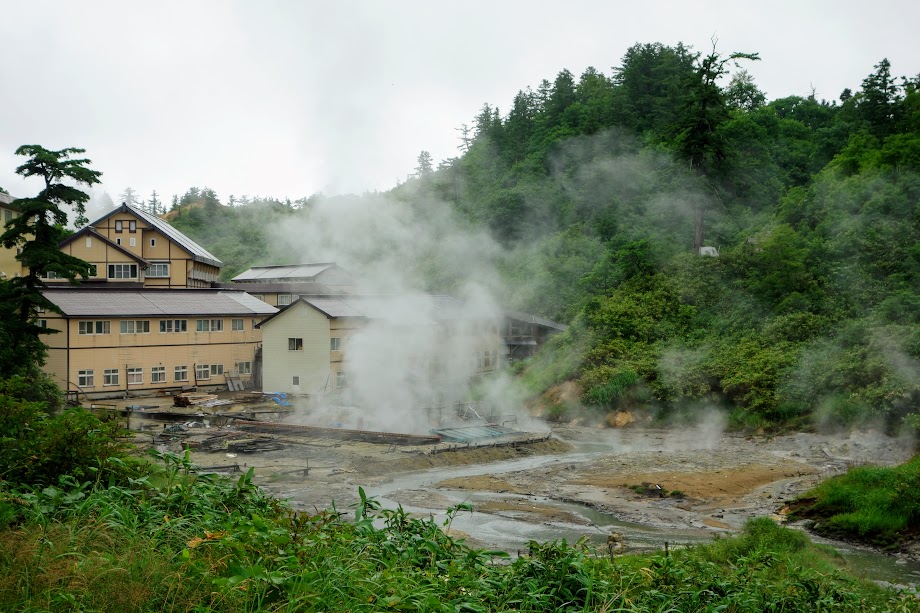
35 234
84 529
174 540
872 504
599 187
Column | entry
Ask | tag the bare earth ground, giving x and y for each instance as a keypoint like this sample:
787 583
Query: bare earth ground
721 479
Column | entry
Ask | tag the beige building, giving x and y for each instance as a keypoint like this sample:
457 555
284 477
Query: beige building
114 341
316 346
149 320
9 266
131 246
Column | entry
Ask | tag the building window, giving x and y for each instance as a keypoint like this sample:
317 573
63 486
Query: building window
135 376
110 376
93 327
85 378
335 343
119 226
50 274
258 296
122 271
180 373
158 374
158 270
236 325
295 344
295 380
217 369
244 368
8 215
118 241
202 371
132 241
153 242
173 325
209 325
284 299
42 323
132 227
341 380
135 327
89 241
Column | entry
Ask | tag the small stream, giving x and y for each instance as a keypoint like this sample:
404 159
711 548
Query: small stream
512 531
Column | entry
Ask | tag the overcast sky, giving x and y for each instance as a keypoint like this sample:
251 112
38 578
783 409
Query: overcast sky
289 98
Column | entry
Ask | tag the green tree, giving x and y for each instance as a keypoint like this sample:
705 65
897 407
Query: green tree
424 166
35 234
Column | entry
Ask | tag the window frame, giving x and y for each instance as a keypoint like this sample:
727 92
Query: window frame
202 372
341 379
244 368
233 325
180 369
135 372
295 343
150 274
86 378
158 374
288 297
335 343
110 376
172 326
115 268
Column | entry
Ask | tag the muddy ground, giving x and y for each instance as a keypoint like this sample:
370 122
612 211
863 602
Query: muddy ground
696 480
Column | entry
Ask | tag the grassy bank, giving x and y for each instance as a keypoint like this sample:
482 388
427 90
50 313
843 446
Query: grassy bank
873 504
174 541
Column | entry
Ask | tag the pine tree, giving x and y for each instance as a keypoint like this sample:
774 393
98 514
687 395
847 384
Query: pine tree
35 234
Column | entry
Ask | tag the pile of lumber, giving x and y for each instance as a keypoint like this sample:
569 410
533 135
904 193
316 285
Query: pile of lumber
192 398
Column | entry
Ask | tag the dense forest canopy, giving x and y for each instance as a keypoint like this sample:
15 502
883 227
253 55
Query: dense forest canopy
599 189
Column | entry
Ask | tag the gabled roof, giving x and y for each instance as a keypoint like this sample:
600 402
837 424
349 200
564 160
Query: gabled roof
533 319
291 272
424 309
198 253
6 200
89 230
78 302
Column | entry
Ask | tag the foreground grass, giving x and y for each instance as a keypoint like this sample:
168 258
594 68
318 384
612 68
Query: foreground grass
877 505
208 544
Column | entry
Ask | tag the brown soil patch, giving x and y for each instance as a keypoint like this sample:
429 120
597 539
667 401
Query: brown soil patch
714 485
527 507
486 483
477 455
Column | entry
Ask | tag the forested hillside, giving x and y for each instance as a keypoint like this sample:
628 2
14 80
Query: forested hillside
600 188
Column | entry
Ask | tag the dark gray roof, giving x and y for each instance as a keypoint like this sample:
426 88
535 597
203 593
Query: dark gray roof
198 253
289 287
533 319
417 310
293 272
75 302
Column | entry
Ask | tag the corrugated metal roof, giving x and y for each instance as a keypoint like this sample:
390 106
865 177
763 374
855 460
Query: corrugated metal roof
274 273
199 253
155 303
533 319
333 307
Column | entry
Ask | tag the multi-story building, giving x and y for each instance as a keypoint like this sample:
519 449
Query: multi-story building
113 341
316 346
149 319
129 245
